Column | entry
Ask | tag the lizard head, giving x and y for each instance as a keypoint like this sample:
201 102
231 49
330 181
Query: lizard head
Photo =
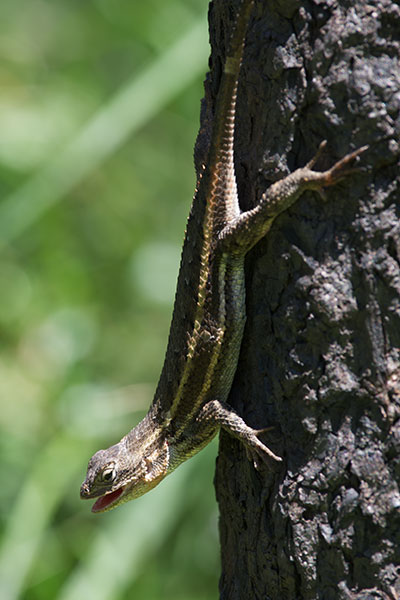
117 475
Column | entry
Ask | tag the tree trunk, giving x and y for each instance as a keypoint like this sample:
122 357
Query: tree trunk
320 360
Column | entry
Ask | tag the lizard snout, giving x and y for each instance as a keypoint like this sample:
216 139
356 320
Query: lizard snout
85 491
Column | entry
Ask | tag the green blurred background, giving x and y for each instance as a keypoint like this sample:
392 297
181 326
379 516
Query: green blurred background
99 109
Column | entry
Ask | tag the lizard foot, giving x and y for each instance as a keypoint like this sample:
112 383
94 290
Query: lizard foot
224 416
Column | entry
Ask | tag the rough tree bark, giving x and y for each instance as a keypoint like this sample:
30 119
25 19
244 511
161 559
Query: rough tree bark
320 360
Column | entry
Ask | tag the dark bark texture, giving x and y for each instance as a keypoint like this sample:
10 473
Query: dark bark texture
320 361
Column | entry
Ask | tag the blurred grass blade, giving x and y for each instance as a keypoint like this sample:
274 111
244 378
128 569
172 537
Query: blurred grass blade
122 545
32 511
134 105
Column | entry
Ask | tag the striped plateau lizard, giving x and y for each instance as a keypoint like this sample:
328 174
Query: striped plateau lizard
190 402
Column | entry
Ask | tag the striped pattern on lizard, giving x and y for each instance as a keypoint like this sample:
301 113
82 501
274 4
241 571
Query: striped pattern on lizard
190 402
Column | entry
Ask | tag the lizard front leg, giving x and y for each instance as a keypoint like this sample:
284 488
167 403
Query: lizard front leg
224 416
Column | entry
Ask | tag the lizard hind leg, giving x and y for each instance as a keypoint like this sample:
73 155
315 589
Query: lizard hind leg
223 415
242 234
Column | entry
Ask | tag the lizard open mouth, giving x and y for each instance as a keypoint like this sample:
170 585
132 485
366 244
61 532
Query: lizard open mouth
105 501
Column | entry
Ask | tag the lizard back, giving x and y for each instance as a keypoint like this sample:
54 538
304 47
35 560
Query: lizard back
197 323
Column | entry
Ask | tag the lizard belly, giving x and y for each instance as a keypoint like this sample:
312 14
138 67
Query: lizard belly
209 371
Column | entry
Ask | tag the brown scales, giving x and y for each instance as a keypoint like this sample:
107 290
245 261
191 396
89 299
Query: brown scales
190 406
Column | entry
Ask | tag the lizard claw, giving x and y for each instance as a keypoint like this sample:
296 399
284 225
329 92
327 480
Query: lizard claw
256 450
319 152
338 171
260 454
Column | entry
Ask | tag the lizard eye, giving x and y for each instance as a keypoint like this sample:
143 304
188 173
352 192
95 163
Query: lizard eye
108 474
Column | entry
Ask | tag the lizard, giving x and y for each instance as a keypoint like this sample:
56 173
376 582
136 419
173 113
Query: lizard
190 402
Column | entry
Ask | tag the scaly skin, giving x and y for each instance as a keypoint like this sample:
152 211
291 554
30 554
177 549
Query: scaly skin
189 405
